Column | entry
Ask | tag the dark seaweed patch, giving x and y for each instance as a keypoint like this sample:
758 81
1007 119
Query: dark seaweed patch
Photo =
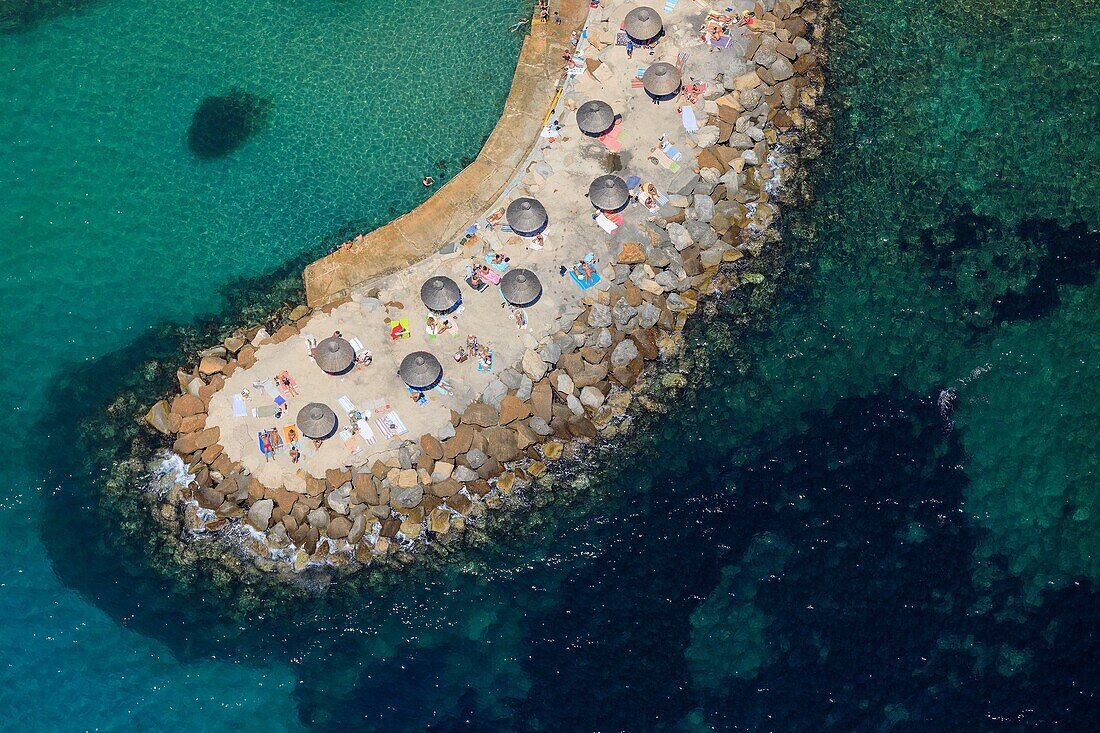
21 16
223 123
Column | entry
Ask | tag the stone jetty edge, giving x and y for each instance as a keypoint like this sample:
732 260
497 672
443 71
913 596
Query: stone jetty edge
581 378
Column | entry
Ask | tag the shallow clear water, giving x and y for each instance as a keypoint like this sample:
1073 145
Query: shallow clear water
805 542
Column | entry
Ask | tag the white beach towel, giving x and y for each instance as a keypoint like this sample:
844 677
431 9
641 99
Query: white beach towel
239 408
366 432
687 116
606 224
356 344
345 403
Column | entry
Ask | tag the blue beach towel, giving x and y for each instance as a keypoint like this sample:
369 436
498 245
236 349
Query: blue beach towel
586 283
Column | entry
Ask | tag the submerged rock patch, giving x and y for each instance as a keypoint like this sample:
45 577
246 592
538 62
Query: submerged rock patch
223 123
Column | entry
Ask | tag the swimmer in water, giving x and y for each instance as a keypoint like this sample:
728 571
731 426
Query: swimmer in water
428 181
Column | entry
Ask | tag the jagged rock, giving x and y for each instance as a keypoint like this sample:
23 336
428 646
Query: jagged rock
159 417
259 514
631 253
675 302
339 528
339 499
464 474
706 136
750 157
318 518
540 426
550 353
512 408
211 365
523 392
704 208
599 316
480 414
592 397
476 458
439 521
511 378
442 471
186 405
533 365
574 404
431 446
501 444
781 69
494 393
564 384
624 353
701 233
680 239
407 498
192 442
622 313
648 315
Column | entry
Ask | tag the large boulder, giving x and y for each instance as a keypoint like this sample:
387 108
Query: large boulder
631 253
159 417
480 414
599 316
533 365
187 404
259 514
624 353
407 498
501 444
512 408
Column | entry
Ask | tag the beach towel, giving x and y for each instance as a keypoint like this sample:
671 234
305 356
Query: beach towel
681 60
264 441
390 424
444 387
665 162
687 117
264 411
350 442
421 398
365 431
239 409
491 275
498 266
291 434
356 344
482 366
637 83
606 224
345 403
280 402
269 386
585 283
670 5
479 287
399 329
611 141
671 151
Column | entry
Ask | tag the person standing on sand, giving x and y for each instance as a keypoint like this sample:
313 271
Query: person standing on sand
557 18
629 48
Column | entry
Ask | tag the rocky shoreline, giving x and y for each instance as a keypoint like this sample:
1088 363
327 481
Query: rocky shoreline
575 386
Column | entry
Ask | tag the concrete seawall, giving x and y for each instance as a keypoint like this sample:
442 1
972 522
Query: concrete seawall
450 210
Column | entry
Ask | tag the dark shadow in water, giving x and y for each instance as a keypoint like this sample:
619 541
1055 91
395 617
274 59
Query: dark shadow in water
876 620
21 16
223 123
1002 272
1071 257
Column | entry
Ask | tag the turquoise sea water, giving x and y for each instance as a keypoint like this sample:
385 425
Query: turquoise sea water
806 541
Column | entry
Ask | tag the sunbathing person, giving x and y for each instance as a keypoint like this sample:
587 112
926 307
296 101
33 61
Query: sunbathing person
494 218
499 259
266 447
295 454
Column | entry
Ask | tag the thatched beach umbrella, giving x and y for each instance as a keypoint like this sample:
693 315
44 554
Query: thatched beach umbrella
661 80
420 370
521 287
441 294
643 24
316 421
334 355
595 117
609 193
526 216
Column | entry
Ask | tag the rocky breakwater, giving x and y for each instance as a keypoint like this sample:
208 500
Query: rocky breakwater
569 388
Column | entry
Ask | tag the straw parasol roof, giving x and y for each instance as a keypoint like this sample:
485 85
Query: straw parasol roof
643 24
661 79
609 193
334 355
317 421
420 370
440 294
521 287
595 117
526 216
